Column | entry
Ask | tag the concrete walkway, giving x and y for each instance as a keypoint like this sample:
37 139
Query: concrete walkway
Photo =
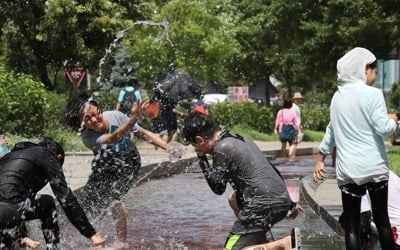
77 164
324 198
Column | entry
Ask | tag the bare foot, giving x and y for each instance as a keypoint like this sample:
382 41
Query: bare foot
30 243
119 245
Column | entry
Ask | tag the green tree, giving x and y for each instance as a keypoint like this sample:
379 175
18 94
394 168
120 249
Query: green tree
202 37
39 36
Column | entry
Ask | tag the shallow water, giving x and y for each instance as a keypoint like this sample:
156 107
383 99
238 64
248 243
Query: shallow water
181 212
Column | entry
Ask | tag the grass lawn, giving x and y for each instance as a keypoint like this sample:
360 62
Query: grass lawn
394 159
255 135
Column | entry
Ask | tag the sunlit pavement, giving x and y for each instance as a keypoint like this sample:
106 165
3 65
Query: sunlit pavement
324 198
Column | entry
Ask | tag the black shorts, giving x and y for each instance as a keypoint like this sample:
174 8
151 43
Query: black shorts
253 230
159 126
113 174
237 241
360 190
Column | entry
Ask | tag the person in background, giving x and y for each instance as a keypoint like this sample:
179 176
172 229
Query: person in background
3 145
286 125
23 173
127 97
173 124
200 106
358 123
165 125
296 101
260 195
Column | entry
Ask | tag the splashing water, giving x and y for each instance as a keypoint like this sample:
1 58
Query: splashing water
164 24
175 152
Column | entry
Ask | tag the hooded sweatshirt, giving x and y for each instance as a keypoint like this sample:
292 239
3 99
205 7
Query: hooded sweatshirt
358 123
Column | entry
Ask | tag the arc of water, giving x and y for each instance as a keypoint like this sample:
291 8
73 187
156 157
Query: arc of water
164 24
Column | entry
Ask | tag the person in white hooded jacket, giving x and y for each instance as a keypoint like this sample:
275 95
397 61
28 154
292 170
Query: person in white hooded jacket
358 124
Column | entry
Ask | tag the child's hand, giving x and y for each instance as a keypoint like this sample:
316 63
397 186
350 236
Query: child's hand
296 211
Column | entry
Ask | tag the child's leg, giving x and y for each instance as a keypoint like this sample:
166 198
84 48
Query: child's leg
282 244
120 216
351 213
283 149
379 197
292 150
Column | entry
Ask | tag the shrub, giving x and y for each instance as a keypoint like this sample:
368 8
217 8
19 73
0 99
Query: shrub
314 117
262 118
22 103
248 114
107 99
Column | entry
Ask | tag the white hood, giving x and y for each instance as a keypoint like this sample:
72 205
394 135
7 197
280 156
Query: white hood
351 67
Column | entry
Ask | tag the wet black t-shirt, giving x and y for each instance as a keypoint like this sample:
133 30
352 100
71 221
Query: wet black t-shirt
27 169
260 190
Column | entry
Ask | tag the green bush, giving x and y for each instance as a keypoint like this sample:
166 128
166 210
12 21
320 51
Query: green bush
107 99
262 118
314 117
54 126
394 97
22 103
248 114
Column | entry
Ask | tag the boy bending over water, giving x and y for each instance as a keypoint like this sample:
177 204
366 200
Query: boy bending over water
260 192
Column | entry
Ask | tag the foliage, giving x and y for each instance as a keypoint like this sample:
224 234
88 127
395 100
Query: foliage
54 109
202 42
252 134
107 99
262 118
311 135
123 71
394 159
23 101
39 36
394 98
228 41
314 117
248 114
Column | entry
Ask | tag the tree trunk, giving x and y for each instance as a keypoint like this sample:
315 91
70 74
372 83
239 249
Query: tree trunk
267 90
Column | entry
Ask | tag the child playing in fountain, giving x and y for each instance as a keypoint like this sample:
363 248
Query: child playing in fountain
260 192
23 173
117 160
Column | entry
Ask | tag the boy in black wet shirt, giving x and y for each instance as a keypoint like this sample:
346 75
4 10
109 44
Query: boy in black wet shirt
23 173
261 193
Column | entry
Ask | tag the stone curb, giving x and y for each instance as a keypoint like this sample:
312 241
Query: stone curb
330 219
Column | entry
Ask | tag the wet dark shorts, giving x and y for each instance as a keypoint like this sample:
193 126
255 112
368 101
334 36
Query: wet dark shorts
113 174
360 190
256 229
237 241
159 126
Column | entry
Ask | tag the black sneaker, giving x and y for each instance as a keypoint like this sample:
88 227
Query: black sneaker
296 239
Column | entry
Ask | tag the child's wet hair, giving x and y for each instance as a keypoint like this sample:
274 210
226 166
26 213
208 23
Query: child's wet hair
197 124
54 147
75 109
